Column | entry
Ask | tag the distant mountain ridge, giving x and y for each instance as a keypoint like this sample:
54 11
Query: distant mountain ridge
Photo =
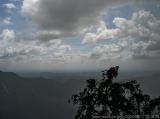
44 98
8 74
32 98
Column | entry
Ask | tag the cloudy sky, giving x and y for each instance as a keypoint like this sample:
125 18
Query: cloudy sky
79 34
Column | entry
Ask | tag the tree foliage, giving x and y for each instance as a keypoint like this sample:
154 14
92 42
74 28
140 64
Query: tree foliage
105 98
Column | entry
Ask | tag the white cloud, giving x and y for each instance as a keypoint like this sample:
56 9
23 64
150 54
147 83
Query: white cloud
9 6
7 21
14 49
15 0
138 37
141 33
106 52
102 33
45 35
7 35
30 7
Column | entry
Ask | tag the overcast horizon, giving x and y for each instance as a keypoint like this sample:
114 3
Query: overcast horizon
75 35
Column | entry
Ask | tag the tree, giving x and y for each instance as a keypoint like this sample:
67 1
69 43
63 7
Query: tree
106 98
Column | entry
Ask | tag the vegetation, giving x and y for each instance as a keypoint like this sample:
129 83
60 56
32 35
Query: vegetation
105 98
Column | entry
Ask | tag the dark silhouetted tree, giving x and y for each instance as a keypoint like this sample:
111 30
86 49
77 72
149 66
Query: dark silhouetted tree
105 98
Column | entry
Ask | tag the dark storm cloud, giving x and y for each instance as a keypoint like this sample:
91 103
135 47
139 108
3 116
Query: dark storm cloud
66 16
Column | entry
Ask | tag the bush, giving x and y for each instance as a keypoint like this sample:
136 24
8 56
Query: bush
105 98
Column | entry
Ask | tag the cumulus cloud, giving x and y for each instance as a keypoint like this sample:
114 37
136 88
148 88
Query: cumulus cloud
7 35
15 0
68 17
106 52
9 6
102 33
141 33
15 49
7 21
45 35
138 37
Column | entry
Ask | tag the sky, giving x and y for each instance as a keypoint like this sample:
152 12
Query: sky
79 34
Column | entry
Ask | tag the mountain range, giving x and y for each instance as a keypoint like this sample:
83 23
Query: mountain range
38 97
